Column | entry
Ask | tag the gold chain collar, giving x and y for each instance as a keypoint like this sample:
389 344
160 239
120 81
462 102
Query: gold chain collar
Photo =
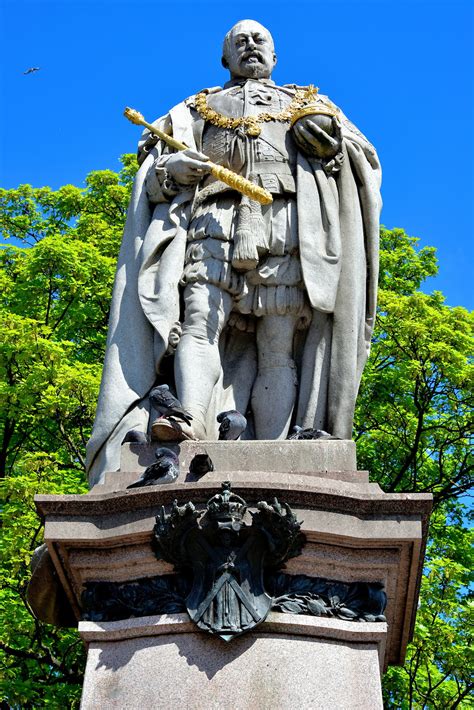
302 99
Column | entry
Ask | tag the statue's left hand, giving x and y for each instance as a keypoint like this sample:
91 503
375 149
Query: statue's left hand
323 142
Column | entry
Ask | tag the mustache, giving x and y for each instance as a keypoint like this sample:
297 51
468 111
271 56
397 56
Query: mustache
252 53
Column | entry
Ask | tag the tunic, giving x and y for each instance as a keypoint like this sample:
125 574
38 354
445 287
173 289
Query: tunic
275 286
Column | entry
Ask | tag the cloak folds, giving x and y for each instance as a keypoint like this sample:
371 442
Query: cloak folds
338 225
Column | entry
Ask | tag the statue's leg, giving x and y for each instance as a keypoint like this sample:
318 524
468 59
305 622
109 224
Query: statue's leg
197 360
274 392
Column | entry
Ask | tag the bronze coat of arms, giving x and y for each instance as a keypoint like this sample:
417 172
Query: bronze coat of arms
226 558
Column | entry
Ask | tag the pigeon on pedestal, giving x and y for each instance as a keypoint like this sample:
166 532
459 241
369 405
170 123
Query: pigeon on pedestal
299 433
200 465
165 470
232 425
135 437
168 405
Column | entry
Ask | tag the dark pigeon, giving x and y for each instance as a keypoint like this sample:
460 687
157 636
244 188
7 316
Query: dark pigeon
167 404
232 425
299 434
135 437
200 465
165 470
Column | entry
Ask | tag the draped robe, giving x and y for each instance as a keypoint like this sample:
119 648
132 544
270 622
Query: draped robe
338 225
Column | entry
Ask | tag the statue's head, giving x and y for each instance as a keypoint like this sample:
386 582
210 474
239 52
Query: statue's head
248 51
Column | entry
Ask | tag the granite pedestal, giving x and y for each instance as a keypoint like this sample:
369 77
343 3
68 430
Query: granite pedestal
354 533
308 663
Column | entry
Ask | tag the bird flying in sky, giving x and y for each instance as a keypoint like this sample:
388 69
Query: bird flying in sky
32 70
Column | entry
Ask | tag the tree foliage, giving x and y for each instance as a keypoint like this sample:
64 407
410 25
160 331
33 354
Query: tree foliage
439 665
415 412
412 425
58 265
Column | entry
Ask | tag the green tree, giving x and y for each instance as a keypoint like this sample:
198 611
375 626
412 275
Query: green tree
58 266
412 424
413 427
438 672
415 410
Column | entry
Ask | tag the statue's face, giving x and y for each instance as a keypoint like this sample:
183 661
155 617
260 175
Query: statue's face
249 51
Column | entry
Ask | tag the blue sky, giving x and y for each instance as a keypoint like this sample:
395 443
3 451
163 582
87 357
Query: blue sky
402 71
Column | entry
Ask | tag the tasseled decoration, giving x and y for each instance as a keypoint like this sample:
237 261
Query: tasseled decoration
250 239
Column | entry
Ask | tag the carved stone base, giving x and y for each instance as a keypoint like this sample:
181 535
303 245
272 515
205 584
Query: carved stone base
316 457
355 535
288 662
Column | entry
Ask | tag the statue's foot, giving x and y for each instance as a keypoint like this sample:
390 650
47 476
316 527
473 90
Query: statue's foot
164 429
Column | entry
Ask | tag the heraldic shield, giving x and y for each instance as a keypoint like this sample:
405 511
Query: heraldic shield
226 558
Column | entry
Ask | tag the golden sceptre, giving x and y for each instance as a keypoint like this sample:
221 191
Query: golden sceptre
237 182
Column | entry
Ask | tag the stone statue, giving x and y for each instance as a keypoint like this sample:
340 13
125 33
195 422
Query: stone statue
267 310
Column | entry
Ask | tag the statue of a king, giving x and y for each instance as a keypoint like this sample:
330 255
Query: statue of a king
265 309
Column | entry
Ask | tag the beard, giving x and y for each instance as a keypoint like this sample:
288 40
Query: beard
255 69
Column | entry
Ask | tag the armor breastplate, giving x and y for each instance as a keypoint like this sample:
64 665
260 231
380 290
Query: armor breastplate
270 158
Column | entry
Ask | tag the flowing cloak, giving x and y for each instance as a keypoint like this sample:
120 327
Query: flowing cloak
338 231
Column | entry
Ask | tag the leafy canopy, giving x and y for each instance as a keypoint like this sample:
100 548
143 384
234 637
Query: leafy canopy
58 265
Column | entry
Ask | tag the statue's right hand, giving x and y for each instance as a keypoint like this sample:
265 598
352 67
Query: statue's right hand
187 167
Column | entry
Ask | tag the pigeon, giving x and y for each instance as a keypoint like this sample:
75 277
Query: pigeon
165 470
232 425
167 404
135 437
299 433
31 70
201 464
